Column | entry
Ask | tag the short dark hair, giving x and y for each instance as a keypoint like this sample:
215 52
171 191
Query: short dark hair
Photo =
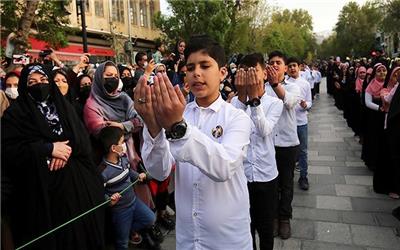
278 54
207 45
293 60
251 60
139 56
109 136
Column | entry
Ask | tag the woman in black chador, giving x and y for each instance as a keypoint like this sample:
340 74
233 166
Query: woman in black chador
46 160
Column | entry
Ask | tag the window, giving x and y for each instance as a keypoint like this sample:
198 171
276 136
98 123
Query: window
143 14
118 11
98 8
87 6
151 13
133 12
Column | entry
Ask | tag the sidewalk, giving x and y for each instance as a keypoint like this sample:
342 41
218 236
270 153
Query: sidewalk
341 210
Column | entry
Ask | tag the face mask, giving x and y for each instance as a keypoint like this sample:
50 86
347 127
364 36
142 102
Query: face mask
39 92
120 85
124 148
233 70
145 64
84 93
121 147
12 92
63 87
111 84
128 82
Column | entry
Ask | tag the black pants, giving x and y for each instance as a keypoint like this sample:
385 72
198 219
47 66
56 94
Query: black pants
263 197
286 161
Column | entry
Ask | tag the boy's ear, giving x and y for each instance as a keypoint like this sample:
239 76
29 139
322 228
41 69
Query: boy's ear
223 73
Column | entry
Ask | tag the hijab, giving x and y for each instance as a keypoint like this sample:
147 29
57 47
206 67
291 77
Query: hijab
50 196
375 86
359 81
118 107
110 105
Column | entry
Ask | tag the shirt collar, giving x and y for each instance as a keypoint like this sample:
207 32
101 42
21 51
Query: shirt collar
215 106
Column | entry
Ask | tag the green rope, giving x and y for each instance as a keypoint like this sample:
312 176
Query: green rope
77 217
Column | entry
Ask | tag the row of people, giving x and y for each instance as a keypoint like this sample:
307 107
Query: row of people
228 159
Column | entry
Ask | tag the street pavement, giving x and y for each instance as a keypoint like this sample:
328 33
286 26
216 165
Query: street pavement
340 211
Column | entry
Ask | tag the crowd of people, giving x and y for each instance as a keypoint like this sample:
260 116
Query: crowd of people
217 141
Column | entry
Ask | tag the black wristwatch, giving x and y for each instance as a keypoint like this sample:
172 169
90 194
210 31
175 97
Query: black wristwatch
274 85
255 102
177 131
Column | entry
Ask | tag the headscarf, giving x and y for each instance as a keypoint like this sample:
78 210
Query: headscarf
50 196
359 81
390 83
375 86
117 108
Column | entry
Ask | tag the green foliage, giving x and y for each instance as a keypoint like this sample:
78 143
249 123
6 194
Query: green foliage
50 21
391 20
253 27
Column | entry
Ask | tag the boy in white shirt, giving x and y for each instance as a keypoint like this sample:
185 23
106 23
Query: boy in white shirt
301 117
260 164
207 139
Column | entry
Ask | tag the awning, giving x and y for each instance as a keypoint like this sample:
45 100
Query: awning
72 52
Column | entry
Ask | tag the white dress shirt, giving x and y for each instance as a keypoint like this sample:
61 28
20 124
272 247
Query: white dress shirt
212 200
260 164
308 76
285 132
305 94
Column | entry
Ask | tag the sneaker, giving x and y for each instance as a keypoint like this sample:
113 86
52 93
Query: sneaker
284 229
135 239
303 183
297 168
156 234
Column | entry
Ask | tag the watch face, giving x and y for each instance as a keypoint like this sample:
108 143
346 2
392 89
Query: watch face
179 130
256 102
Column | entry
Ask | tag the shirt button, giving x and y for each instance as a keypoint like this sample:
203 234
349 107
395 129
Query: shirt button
194 214
195 185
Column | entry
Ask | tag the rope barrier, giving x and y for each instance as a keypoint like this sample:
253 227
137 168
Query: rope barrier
75 218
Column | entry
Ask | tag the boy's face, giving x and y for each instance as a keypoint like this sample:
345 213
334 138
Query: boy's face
204 76
279 65
293 70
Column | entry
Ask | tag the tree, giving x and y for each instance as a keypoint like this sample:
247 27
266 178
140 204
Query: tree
356 29
289 32
391 20
48 19
225 21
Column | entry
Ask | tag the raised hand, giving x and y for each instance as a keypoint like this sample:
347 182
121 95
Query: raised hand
240 83
144 106
273 77
253 83
168 101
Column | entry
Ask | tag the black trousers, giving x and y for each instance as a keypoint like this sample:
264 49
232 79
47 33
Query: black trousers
286 161
263 197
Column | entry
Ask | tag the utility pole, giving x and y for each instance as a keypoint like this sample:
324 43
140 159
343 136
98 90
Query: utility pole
81 4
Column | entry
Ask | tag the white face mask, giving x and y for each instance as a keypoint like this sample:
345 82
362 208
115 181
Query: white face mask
120 85
12 92
124 148
233 70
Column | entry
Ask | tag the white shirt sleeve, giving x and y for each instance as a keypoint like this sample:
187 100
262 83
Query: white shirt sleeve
217 160
238 104
156 155
308 98
265 120
369 103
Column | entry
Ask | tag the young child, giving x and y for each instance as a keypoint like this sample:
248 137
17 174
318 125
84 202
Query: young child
129 214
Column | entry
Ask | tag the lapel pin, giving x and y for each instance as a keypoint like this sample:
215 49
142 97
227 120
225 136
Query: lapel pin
217 131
